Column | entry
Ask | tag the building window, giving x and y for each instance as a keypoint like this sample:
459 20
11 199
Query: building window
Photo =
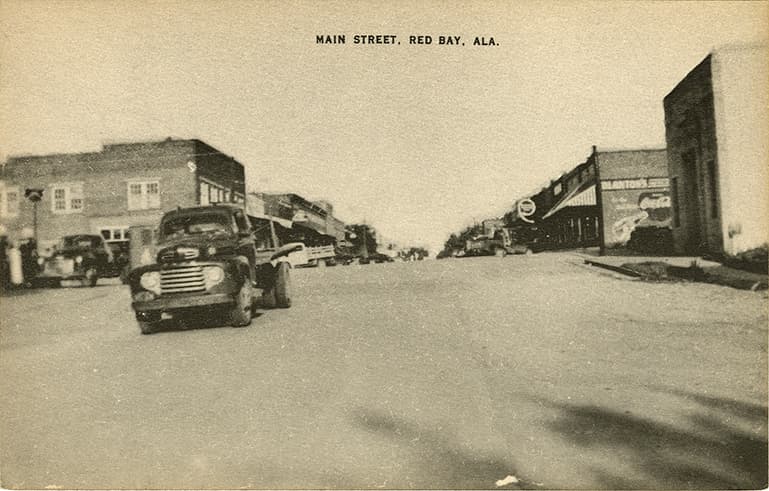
115 234
674 202
67 198
204 193
143 195
713 188
9 200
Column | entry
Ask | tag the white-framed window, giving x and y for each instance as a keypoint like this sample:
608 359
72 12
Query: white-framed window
67 198
118 233
9 200
204 193
143 194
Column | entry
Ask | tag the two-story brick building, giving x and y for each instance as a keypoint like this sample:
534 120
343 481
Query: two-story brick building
716 131
106 192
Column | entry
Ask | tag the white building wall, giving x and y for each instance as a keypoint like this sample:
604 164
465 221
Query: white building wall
741 98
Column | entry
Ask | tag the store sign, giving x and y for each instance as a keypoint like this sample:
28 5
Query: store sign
639 183
526 208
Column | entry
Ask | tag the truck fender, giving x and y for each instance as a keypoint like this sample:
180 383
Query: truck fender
244 268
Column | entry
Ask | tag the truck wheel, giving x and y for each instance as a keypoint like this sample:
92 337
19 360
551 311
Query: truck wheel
499 252
148 322
268 298
91 277
240 315
282 286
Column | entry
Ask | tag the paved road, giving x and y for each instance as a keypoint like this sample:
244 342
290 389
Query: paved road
438 374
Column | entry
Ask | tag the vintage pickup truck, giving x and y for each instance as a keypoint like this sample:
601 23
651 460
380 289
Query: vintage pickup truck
207 259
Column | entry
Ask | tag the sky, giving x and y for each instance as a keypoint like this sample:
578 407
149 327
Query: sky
418 141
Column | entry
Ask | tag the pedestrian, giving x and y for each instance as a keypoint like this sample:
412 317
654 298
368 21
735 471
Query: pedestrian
5 274
29 267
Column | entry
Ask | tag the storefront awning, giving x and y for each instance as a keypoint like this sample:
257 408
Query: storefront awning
583 195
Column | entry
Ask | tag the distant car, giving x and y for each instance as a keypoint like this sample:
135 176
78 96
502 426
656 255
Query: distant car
378 257
82 257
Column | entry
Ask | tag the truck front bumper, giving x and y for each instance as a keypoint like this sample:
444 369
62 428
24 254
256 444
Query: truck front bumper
160 304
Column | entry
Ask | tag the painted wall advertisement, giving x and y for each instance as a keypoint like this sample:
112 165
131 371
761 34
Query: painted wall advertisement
632 203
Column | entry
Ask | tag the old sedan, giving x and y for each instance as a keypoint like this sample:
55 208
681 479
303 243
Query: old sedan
81 257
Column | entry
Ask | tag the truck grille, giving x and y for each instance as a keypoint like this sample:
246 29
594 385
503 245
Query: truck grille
182 279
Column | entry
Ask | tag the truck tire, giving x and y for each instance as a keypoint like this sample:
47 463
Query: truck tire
282 287
148 322
240 314
91 277
499 252
268 298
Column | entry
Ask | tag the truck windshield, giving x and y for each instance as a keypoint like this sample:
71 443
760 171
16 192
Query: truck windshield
206 223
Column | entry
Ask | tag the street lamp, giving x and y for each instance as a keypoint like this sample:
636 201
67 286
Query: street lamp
34 195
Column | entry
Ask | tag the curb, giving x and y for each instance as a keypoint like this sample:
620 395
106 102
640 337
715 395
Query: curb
617 269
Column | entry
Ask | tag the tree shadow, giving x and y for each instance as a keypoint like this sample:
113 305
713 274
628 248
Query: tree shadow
713 451
441 457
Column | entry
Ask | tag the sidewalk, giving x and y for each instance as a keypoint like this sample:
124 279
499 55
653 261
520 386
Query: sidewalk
690 268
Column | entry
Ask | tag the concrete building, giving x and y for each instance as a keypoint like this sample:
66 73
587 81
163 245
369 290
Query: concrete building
106 192
717 134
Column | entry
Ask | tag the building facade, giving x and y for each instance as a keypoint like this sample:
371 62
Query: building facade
600 202
107 192
716 131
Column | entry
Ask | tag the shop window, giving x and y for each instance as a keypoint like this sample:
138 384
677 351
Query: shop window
115 234
67 198
143 195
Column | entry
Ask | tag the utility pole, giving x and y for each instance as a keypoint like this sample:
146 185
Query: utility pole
365 239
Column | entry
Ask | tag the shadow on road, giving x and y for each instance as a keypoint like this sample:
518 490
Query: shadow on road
714 451
440 455
203 319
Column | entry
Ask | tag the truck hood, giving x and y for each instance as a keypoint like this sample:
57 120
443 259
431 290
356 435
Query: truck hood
193 247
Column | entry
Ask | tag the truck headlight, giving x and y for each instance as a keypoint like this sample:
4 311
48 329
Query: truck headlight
150 281
40 261
213 275
79 259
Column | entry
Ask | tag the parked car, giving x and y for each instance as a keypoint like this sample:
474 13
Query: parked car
81 257
378 258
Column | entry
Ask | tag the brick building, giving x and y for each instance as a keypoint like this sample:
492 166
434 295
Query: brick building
600 202
106 192
717 131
